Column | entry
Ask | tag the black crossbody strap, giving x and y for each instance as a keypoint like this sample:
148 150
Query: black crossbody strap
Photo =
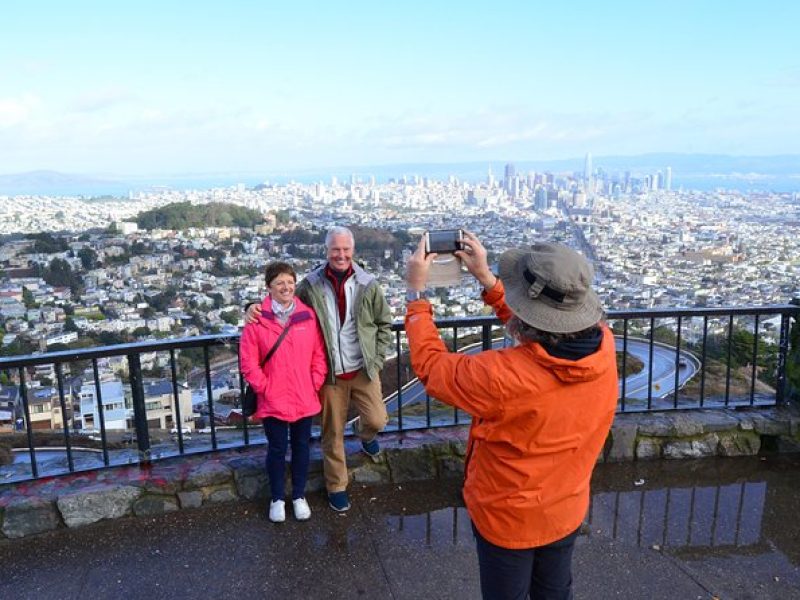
277 343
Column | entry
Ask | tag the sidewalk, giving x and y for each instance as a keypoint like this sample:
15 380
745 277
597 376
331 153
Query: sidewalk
669 529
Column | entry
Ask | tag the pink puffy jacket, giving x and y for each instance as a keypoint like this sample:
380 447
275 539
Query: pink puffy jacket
288 385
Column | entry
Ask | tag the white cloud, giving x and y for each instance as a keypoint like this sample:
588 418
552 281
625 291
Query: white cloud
15 111
101 99
502 128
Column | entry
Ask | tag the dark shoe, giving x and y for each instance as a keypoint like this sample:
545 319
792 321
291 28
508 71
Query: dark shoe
338 501
371 448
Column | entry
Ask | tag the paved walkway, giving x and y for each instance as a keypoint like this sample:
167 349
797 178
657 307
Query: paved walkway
681 529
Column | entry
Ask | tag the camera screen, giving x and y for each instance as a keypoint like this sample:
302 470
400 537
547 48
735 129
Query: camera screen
444 241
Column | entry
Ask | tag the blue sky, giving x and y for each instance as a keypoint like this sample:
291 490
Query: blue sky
141 88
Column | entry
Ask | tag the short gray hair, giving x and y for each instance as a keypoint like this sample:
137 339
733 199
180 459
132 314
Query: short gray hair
338 230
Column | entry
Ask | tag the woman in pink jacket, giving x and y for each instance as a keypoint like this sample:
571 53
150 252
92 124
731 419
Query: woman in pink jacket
288 384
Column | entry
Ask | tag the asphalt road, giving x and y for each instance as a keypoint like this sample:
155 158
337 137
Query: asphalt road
663 381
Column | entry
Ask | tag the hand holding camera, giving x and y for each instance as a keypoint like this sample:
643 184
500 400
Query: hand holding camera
445 267
463 247
475 258
418 266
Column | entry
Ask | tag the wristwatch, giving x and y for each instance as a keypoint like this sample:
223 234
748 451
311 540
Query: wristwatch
412 294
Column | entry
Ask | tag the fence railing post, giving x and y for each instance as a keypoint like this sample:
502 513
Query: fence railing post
782 379
139 409
486 336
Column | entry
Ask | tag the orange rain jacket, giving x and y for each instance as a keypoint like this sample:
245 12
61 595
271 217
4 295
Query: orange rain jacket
539 423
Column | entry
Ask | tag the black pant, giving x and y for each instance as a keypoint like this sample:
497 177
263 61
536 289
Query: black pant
277 435
544 573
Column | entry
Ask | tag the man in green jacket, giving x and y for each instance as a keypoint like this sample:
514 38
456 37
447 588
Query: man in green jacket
356 324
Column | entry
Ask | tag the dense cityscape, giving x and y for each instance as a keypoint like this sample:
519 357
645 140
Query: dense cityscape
80 272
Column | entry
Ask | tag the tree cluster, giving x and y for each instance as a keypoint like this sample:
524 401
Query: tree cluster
182 215
88 258
46 243
59 273
160 302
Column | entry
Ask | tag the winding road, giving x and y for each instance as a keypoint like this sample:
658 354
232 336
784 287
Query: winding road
664 364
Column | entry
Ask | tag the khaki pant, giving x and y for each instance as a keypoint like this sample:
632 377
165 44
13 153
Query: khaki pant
368 400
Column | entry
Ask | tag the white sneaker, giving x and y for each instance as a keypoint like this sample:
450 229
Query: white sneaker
301 510
277 511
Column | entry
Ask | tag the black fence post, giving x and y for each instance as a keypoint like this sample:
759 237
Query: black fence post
100 410
783 393
139 410
65 415
486 336
399 350
23 392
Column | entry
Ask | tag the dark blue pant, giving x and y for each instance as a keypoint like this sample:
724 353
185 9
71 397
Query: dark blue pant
277 432
544 573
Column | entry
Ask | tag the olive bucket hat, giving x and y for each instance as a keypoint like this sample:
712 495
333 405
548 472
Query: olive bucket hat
549 287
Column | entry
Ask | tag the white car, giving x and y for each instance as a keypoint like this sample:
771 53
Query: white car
184 431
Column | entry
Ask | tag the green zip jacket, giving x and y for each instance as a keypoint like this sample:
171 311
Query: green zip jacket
372 316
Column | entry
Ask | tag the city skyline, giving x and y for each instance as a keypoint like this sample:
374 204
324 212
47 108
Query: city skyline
150 89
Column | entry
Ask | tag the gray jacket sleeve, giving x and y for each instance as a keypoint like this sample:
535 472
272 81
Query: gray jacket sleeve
383 320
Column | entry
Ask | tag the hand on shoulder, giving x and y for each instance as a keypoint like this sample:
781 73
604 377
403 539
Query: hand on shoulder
251 313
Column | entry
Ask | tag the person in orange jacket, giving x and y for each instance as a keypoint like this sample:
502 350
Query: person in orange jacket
541 410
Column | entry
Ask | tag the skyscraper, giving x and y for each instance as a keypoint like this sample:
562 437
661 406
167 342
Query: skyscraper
668 180
510 172
541 203
587 168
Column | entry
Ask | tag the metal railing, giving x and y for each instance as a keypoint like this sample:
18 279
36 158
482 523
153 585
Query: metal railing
672 359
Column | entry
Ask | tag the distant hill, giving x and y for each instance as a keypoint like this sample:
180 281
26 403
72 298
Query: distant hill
182 215
55 183
692 171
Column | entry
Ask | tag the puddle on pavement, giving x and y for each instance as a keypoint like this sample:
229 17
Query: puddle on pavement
443 527
691 509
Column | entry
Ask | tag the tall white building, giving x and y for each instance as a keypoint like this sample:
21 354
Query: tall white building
587 170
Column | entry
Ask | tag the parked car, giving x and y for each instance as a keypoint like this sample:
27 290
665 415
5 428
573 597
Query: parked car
184 431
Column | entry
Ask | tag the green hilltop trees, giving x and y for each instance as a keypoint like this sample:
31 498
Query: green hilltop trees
182 215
